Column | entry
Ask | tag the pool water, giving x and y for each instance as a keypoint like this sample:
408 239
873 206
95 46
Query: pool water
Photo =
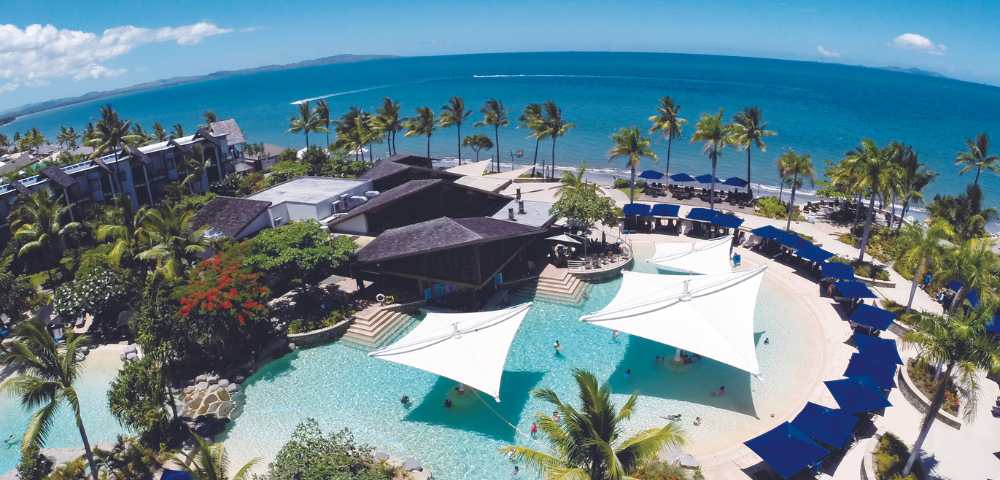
342 387
92 388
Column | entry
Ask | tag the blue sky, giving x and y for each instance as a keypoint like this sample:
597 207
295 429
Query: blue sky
102 45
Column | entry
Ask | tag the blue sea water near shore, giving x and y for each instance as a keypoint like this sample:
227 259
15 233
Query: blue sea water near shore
816 108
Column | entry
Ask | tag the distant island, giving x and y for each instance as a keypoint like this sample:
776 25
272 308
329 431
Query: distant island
915 71
8 116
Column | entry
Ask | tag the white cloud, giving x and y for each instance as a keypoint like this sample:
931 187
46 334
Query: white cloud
912 41
249 29
826 53
37 53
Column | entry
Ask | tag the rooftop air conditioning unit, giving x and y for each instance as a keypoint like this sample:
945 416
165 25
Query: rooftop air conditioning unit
371 194
277 221
359 199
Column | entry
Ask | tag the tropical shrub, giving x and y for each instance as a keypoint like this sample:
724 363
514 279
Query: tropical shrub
865 269
922 375
101 293
34 465
299 253
311 455
228 186
137 397
284 171
891 457
15 292
621 183
661 471
586 207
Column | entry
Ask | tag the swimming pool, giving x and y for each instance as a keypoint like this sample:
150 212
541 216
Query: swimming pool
341 386
92 387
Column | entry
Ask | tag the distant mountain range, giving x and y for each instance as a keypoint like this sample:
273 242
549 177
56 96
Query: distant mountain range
12 114
915 71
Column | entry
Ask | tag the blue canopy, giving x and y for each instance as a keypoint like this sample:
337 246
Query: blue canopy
735 182
786 449
881 349
838 270
665 210
854 290
636 209
880 372
727 221
706 178
828 425
174 475
792 240
651 175
857 394
995 328
972 296
702 214
681 177
868 315
768 232
814 253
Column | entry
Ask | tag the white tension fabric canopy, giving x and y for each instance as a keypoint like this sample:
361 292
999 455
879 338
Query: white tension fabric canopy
708 257
469 348
711 315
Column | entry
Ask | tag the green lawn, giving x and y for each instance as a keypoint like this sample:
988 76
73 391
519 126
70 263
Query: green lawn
626 191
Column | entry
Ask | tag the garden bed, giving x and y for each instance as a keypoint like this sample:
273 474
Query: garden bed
889 457
865 269
922 375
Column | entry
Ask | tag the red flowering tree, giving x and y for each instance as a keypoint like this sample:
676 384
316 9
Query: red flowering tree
223 310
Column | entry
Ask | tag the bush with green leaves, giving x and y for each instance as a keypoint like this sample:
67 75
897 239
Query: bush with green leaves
103 293
586 207
34 465
138 399
662 471
891 457
228 186
284 171
311 455
15 292
298 253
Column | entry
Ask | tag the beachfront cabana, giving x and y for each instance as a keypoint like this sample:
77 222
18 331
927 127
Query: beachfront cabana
840 271
726 220
469 348
881 373
665 210
828 425
651 175
701 215
709 315
708 257
563 238
857 394
870 316
636 209
881 349
786 449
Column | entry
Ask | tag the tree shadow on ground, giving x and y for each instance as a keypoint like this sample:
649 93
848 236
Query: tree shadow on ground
480 414
693 383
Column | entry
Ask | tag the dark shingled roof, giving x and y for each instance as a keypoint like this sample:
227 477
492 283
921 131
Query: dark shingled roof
17 185
440 234
383 169
202 133
230 129
389 196
228 215
56 174
139 155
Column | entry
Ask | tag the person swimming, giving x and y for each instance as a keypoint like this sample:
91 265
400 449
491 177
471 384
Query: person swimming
447 403
405 400
720 391
558 347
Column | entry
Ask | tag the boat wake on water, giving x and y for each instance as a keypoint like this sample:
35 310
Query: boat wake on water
360 90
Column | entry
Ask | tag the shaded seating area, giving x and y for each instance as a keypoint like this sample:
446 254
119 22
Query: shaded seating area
787 450
668 212
707 257
872 317
701 220
828 425
851 294
857 394
882 373
636 217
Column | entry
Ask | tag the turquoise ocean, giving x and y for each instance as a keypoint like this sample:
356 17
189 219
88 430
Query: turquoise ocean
816 108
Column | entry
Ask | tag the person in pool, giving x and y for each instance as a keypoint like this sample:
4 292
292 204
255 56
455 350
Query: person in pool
534 429
558 347
555 416
405 400
628 374
447 403
720 391
697 421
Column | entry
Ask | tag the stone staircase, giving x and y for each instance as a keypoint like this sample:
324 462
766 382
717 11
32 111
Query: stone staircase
555 285
375 326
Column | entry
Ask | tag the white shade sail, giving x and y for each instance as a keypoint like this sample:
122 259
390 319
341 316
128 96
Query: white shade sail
707 257
470 348
711 315
512 174
475 169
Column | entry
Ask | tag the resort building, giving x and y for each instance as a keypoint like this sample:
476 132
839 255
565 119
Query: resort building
143 173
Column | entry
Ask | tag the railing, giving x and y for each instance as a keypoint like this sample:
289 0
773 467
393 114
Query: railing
603 262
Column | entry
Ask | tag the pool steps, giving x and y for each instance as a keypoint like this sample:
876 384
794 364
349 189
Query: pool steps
375 326
555 285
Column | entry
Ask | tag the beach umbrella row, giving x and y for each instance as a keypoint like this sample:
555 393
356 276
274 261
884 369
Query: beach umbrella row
704 179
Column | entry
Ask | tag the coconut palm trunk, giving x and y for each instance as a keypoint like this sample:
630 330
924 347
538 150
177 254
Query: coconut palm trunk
791 202
667 172
913 288
553 165
748 175
428 146
86 442
632 183
929 417
868 228
535 161
460 144
958 299
496 137
711 195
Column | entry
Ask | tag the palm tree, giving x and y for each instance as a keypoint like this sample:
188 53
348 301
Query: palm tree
110 135
422 124
494 115
533 119
177 132
209 118
793 165
870 164
555 127
173 247
978 157
571 181
306 121
159 134
923 247
194 163
209 461
913 179
125 227
975 265
349 131
586 442
477 142
37 221
323 112
716 136
965 213
962 343
46 374
748 130
388 120
630 143
4 143
454 113
667 124
68 136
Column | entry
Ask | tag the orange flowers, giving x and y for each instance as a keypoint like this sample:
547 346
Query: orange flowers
223 290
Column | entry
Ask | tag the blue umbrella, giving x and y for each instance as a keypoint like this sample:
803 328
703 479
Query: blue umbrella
706 178
814 253
174 475
768 232
735 182
651 175
792 240
881 349
727 221
854 290
880 373
786 449
857 394
995 327
682 177
868 315
702 214
838 270
828 425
